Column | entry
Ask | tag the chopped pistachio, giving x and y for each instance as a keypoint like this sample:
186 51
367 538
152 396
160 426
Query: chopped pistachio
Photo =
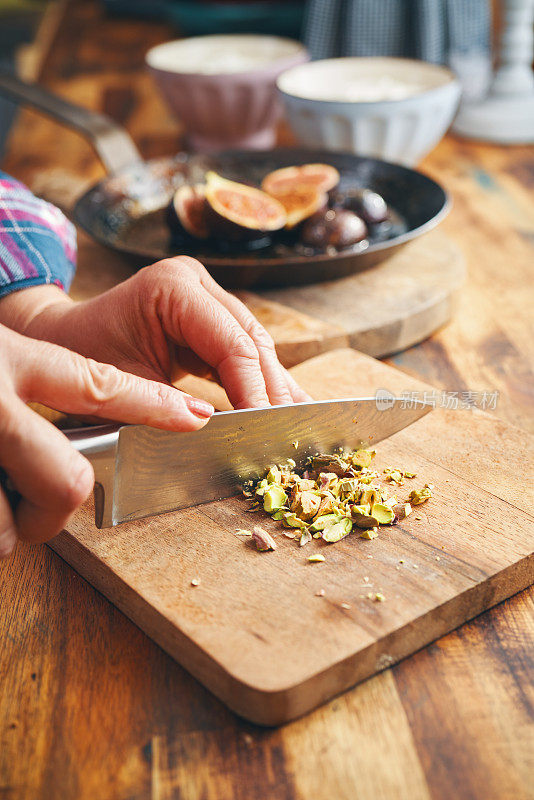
262 539
369 533
395 476
333 463
379 597
305 537
278 515
361 518
320 593
289 534
402 510
362 458
274 475
243 532
305 505
383 514
337 531
274 499
295 444
421 496
316 558
290 520
369 497
195 582
320 523
345 605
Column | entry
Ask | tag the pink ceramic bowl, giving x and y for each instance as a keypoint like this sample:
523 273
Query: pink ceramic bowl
223 87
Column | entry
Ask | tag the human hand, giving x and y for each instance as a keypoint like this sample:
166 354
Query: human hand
166 320
52 478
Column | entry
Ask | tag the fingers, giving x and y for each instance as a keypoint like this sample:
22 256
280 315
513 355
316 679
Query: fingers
298 394
192 317
68 382
223 332
52 477
8 533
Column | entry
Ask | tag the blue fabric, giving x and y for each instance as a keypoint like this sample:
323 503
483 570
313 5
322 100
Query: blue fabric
37 242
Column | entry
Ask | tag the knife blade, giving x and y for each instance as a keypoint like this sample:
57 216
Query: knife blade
141 471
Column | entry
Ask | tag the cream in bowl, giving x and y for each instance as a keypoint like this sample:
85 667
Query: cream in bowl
390 108
222 87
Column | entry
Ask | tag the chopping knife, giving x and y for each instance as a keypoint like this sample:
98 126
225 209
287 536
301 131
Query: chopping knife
141 471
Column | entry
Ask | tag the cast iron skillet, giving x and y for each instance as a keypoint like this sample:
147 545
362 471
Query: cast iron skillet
127 211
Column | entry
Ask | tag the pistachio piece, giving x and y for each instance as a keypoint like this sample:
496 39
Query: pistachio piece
421 496
395 476
383 514
243 532
320 523
362 519
369 533
332 463
274 475
316 558
278 515
290 520
305 505
274 498
295 444
402 510
362 458
369 497
337 531
305 537
262 539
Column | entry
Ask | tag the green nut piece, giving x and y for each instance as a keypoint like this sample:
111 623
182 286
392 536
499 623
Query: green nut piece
369 533
402 510
305 537
384 514
323 522
337 531
421 496
362 519
362 458
317 557
306 505
369 497
274 498
290 520
274 475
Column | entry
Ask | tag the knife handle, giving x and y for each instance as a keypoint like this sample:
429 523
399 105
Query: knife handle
97 443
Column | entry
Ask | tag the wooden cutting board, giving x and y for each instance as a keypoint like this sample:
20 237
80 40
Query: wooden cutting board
254 630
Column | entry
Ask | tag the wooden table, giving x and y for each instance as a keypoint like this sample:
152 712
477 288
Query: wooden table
90 707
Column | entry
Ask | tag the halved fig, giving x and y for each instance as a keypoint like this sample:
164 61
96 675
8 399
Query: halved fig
300 202
322 176
238 212
189 206
337 228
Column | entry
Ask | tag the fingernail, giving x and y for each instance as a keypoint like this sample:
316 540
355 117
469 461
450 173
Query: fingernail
199 407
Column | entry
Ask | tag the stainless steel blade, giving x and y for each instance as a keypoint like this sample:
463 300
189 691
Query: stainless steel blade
156 471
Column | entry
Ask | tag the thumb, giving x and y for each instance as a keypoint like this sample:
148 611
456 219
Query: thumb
66 381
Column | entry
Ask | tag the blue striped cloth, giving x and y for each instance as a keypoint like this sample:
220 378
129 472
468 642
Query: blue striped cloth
37 242
441 31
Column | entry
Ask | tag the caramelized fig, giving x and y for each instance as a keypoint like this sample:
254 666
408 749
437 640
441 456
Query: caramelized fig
335 227
189 207
322 176
370 206
300 202
237 212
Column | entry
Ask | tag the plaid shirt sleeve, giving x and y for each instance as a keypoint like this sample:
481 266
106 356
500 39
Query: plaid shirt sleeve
37 242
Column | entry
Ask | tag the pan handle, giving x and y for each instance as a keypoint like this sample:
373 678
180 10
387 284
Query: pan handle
113 145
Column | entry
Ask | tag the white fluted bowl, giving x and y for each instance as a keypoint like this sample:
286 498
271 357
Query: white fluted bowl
395 109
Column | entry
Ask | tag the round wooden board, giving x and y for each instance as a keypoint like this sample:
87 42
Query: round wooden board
389 307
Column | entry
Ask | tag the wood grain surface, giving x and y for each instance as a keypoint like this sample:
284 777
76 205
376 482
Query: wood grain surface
91 707
468 548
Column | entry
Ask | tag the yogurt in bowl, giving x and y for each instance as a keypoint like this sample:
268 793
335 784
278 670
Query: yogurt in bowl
391 108
223 87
